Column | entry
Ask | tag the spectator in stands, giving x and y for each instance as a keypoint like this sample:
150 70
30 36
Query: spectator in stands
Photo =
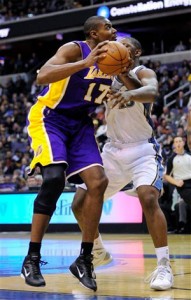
166 115
180 47
2 150
32 62
1 170
164 129
19 64
189 130
166 151
20 184
181 101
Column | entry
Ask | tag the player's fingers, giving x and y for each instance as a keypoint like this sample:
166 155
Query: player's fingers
101 56
123 71
116 102
109 97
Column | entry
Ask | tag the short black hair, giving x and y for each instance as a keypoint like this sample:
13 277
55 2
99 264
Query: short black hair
92 24
135 42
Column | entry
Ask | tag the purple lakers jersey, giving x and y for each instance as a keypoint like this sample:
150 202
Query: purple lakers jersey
81 92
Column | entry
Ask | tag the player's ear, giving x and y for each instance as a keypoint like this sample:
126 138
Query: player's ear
93 34
138 52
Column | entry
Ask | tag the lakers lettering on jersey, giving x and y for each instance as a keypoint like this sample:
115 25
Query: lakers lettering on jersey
81 91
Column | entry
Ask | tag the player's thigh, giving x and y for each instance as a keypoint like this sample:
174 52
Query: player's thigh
83 154
117 173
148 171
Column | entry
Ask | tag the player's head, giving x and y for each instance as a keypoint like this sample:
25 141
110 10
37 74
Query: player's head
133 45
99 29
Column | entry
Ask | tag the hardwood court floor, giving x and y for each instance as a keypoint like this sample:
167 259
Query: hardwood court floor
123 278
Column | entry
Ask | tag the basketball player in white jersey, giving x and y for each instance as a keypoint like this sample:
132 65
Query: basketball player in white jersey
132 154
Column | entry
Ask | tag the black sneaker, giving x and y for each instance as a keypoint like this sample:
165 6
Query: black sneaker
31 270
83 269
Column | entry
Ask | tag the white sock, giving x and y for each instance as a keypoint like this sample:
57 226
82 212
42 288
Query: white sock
98 243
162 252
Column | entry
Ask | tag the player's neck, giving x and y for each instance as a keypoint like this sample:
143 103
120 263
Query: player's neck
91 44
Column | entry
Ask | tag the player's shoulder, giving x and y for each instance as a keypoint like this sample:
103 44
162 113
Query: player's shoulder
142 72
138 68
72 44
71 49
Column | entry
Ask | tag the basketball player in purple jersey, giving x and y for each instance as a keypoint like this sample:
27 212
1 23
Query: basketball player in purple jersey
62 138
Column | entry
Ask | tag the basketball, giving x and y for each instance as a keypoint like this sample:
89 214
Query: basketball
117 57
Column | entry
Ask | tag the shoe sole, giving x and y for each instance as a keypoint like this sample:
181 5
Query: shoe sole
23 277
160 288
81 282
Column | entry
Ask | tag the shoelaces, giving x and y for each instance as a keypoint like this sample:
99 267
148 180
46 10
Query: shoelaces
35 265
160 271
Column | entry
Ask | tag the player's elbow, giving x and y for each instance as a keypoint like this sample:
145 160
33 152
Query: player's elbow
40 78
153 94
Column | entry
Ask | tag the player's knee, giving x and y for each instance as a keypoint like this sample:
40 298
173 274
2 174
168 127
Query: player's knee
98 186
149 202
41 206
51 189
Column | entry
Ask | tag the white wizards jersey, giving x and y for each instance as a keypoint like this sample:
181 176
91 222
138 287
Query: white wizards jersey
131 124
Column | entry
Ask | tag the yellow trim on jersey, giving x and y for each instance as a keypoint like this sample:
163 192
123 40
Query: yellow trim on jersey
39 138
55 93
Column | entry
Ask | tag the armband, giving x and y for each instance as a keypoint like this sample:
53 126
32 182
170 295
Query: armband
116 85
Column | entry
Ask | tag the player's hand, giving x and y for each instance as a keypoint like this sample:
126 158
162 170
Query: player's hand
119 99
97 53
128 68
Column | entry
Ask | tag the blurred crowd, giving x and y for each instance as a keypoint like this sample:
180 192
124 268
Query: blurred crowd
18 63
17 9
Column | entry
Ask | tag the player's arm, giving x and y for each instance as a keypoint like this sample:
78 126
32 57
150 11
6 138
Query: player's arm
189 130
146 93
130 80
67 61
